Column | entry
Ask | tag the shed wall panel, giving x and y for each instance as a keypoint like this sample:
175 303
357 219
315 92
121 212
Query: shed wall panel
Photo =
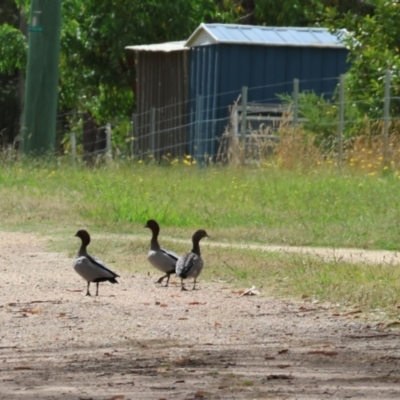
268 69
162 83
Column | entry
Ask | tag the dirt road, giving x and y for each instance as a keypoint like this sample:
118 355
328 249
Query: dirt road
136 341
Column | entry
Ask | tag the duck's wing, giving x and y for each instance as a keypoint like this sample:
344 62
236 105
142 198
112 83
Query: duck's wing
170 254
89 271
163 260
188 264
103 266
99 268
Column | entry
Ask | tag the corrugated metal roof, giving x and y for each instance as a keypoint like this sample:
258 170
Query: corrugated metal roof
164 47
262 35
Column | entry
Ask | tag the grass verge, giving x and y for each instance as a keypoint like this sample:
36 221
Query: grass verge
244 205
318 208
370 288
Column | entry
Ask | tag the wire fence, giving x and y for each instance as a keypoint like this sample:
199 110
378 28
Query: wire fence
212 128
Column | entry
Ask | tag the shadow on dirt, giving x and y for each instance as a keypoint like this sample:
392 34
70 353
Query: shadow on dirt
159 368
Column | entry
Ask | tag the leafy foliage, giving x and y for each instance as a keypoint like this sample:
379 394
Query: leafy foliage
305 12
284 13
96 79
374 43
322 116
94 73
12 49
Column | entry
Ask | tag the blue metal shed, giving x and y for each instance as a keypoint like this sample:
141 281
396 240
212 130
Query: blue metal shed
224 58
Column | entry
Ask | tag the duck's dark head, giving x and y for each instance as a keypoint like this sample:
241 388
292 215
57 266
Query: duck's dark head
198 235
84 236
153 225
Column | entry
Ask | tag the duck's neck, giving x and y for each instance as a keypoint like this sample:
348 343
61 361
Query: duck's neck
196 248
154 245
82 250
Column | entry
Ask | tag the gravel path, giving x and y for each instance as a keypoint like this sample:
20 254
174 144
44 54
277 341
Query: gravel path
137 341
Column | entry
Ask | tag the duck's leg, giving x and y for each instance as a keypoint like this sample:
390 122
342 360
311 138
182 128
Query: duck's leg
161 279
87 289
182 285
168 276
194 284
97 288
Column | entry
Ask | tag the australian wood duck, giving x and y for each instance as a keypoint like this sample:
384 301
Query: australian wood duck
91 268
191 264
163 260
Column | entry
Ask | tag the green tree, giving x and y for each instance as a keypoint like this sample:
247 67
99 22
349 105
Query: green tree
374 43
94 72
12 49
94 75
12 60
305 12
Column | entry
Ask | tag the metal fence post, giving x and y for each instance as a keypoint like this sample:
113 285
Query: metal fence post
108 142
295 102
133 132
386 117
244 120
152 130
73 148
341 121
199 116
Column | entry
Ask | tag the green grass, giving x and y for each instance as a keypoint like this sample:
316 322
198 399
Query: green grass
319 208
270 206
369 287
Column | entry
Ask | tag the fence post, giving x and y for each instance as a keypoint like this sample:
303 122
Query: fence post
134 131
152 130
108 142
386 119
295 102
244 121
341 121
73 148
199 116
235 121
